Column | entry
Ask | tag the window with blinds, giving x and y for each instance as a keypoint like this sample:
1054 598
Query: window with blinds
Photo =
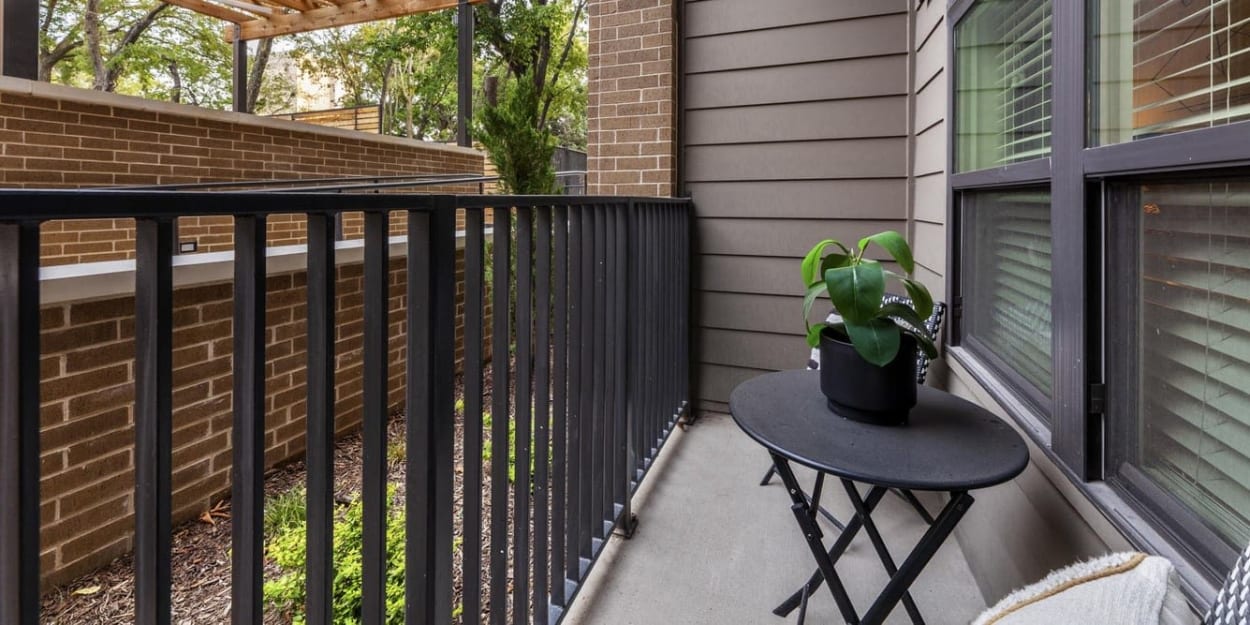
1003 83
1194 349
1007 285
1169 65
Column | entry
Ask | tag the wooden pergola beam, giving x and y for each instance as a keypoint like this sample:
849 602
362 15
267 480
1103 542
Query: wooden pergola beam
214 10
355 12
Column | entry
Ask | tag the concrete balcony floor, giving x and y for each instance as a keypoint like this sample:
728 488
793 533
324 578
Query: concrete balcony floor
715 548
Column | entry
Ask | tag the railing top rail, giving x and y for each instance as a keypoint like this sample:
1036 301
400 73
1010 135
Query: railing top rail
282 184
21 205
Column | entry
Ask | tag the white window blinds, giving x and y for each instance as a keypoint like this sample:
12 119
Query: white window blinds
1194 348
1007 300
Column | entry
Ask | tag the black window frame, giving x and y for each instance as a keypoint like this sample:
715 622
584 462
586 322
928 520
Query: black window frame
1084 183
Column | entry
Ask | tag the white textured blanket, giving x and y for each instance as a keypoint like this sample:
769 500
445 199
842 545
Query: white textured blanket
1117 589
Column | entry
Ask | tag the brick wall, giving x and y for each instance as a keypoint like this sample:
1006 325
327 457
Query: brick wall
55 136
52 136
632 116
87 392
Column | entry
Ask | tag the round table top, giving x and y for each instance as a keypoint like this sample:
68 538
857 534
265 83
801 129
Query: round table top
949 444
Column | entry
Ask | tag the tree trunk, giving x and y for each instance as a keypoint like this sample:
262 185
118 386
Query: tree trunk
257 73
386 85
176 96
91 29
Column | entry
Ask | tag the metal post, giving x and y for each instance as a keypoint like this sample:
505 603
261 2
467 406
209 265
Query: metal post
240 71
19 423
19 38
248 435
464 72
153 418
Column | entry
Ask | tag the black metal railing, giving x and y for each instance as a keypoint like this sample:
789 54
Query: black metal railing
590 306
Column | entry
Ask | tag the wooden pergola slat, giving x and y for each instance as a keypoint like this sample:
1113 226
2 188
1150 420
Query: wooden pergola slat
261 19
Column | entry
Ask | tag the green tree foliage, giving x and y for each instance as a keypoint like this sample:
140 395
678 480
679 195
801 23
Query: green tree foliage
518 146
144 48
149 49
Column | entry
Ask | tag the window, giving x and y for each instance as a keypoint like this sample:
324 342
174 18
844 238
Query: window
1003 53
1164 67
1101 261
1006 294
1188 416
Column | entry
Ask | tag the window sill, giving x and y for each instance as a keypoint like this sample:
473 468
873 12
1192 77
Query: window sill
1108 513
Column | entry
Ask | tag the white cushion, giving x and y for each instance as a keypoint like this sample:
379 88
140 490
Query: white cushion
1117 589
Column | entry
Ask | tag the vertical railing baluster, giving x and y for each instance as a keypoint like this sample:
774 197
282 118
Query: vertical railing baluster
654 321
19 423
576 300
471 546
542 412
635 346
153 417
620 285
670 319
418 487
430 407
597 360
322 275
686 287
586 514
500 341
247 479
521 470
607 358
373 469
647 292
561 423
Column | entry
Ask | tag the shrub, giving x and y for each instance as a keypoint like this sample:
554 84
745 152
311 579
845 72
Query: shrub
287 550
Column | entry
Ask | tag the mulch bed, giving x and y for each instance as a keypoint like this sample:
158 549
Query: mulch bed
201 549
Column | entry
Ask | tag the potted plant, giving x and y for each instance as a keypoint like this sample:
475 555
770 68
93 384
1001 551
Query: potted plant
868 359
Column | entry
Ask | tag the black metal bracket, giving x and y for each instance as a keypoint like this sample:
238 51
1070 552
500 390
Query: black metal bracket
628 528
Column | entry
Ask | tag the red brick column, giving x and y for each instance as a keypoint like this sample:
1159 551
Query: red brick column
632 115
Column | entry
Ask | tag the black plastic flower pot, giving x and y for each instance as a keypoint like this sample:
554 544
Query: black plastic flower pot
861 391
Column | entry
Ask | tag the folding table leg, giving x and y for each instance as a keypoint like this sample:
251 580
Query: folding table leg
839 547
919 557
811 532
870 527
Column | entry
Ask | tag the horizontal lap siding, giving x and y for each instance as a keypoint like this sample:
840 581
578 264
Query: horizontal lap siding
928 169
794 129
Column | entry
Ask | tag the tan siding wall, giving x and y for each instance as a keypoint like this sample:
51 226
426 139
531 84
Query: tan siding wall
796 130
928 144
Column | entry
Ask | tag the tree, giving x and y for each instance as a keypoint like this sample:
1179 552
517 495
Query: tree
518 145
543 40
144 48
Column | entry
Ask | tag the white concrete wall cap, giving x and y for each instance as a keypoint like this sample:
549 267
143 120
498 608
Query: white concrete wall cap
62 284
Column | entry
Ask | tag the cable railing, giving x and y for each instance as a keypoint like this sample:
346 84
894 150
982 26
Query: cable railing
587 374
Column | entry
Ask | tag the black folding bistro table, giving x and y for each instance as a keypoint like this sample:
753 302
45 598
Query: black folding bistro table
948 445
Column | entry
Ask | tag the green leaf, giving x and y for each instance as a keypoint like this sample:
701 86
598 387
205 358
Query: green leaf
920 298
813 291
896 245
904 312
926 345
876 341
856 291
833 261
813 334
812 260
